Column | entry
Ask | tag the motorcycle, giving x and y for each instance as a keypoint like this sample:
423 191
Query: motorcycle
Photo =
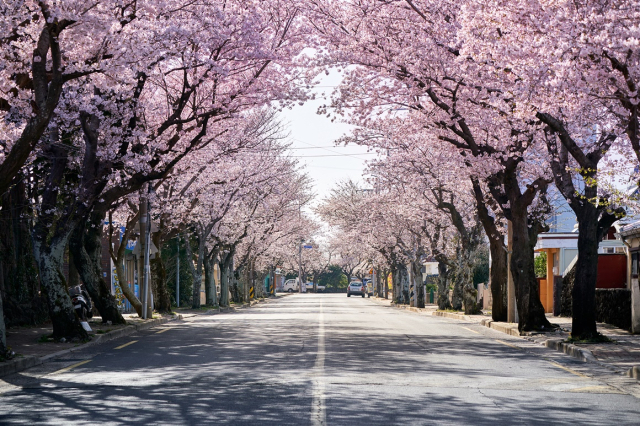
82 305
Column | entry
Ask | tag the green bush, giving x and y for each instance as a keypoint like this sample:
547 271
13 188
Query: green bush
540 265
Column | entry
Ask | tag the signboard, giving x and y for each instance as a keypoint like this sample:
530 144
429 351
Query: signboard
307 247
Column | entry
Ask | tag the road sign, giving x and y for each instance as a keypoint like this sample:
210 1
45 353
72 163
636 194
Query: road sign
307 247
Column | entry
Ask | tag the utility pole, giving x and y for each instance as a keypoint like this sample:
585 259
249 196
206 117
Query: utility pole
145 243
511 288
143 251
300 283
178 272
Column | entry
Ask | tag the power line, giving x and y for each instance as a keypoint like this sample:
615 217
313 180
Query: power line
335 152
334 155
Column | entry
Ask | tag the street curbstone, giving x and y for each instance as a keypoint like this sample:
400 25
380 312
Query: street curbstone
21 364
451 315
634 372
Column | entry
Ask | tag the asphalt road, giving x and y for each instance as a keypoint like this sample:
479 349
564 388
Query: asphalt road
313 360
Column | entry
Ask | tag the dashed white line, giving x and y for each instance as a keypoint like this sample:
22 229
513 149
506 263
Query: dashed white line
318 410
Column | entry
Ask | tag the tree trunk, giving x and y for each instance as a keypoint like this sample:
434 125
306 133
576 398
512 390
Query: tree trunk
225 267
118 260
498 274
443 285
209 281
126 289
530 310
3 332
498 271
162 300
19 284
416 272
386 284
63 317
395 281
196 270
404 280
591 230
86 246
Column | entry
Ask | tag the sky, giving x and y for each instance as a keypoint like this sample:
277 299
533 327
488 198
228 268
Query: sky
313 137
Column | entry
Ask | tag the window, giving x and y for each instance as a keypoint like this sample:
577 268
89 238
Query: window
634 264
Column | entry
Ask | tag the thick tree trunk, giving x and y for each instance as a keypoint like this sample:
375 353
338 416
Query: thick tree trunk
86 246
591 230
209 281
19 285
530 310
3 332
498 276
443 286
403 275
118 260
126 289
458 283
395 280
416 272
498 271
225 267
49 256
162 300
196 270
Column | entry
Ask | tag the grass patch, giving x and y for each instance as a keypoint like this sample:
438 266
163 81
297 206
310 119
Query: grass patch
103 331
45 338
451 310
599 338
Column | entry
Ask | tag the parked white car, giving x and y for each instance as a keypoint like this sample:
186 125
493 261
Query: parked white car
291 286
319 288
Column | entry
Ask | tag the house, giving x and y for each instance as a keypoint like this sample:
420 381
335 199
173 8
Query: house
561 246
630 236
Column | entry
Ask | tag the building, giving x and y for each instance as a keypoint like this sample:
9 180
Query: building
630 235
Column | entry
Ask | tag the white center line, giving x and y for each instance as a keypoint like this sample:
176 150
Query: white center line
318 411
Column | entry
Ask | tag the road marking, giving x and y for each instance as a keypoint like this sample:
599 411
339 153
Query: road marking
510 345
71 367
596 389
126 344
473 331
555 364
318 410
162 331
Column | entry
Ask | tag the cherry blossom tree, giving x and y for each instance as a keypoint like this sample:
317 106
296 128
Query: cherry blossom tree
407 55
169 74
562 72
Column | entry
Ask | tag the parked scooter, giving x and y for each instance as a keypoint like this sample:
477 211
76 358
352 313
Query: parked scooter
82 304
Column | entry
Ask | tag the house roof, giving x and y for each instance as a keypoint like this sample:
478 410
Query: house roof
630 229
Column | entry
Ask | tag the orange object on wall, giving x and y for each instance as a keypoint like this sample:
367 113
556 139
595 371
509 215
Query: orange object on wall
612 271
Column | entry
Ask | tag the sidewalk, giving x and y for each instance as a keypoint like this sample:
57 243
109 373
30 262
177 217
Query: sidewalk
33 346
622 355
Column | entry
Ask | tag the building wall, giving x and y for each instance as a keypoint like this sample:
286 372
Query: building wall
612 271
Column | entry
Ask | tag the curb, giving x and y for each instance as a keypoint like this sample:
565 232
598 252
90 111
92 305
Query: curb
451 315
21 364
557 344
500 327
634 372
572 350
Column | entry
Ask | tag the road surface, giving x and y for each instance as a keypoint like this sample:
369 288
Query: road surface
315 359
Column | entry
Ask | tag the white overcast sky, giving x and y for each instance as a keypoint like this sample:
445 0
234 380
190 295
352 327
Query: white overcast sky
313 139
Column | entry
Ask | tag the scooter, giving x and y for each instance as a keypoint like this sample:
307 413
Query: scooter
82 305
